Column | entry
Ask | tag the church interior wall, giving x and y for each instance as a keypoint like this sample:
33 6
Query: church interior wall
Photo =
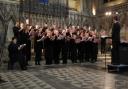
120 10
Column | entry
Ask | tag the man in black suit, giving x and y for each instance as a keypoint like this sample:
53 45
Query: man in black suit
115 41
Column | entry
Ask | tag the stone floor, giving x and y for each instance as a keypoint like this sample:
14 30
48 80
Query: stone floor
71 76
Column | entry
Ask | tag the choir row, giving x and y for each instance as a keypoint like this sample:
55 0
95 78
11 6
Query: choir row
74 43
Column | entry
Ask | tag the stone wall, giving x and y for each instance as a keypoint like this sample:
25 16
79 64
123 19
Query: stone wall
8 17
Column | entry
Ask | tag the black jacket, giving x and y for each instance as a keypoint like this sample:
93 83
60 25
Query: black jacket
16 31
13 51
116 32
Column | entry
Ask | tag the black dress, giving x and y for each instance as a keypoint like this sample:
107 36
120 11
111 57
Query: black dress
65 50
73 51
23 40
38 50
49 53
28 48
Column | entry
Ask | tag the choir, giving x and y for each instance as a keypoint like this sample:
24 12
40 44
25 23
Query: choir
78 44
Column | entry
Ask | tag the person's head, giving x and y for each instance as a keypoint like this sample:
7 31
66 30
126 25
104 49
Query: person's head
37 26
14 40
115 18
17 24
56 32
45 25
48 32
74 35
22 26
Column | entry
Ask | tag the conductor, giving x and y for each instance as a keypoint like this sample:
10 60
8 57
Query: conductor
115 41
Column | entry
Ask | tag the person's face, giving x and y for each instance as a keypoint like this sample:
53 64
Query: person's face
56 32
49 33
40 30
17 24
45 25
14 41
22 25
78 27
74 36
37 26
85 27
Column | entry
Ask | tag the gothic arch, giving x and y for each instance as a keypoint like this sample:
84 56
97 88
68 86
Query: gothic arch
9 32
13 18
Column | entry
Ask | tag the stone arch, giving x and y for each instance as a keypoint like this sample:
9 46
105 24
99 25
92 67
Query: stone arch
9 32
13 18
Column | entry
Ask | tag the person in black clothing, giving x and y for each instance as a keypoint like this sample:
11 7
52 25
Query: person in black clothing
81 48
28 47
22 57
57 46
23 38
66 48
48 45
73 48
38 47
95 48
86 45
16 30
15 54
89 48
115 41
